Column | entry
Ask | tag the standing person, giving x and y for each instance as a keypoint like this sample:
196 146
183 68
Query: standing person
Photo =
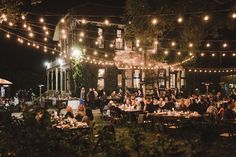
82 93
91 98
96 101
156 94
103 98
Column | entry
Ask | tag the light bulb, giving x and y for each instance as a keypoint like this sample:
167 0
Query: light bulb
180 20
154 21
41 20
206 18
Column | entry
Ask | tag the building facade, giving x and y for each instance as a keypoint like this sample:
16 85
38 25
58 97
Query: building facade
96 39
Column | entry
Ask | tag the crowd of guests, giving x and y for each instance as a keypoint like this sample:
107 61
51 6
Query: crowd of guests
98 99
9 103
83 114
218 106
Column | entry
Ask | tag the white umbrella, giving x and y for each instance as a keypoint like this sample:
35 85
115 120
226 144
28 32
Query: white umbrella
5 82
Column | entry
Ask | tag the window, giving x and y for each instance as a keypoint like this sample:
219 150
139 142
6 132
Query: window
161 83
162 73
128 78
101 73
136 78
101 82
119 80
182 83
100 38
172 80
119 33
119 40
119 43
128 45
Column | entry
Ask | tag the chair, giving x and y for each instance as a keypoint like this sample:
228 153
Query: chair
143 121
115 118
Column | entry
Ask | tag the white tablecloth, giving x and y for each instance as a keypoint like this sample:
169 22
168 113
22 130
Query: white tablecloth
73 104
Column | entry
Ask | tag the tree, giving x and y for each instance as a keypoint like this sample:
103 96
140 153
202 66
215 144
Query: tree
140 16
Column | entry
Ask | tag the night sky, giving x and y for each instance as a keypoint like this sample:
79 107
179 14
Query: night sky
23 65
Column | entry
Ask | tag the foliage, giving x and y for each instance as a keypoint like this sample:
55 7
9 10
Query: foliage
78 73
35 137
139 15
11 8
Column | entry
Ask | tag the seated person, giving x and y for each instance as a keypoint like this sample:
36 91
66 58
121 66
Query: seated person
69 112
80 113
194 106
88 117
212 110
155 104
149 106
229 113
169 105
181 105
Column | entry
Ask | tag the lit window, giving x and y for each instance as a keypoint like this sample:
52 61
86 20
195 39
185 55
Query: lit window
119 40
136 78
100 39
101 82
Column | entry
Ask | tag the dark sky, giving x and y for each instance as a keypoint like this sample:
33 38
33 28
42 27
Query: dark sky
23 65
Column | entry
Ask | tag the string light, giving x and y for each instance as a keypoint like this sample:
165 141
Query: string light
45 39
179 53
234 55
202 54
213 54
208 45
31 34
223 54
190 45
225 45
64 36
190 53
82 34
95 52
210 70
106 55
83 21
234 15
173 43
41 20
62 20
180 20
8 35
10 24
44 28
154 21
156 42
106 22
206 18
166 52
23 17
24 25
